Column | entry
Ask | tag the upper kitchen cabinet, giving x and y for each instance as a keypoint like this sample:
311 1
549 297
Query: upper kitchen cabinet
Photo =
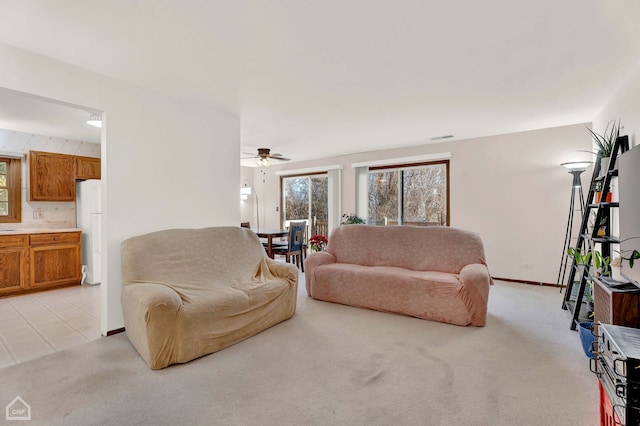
87 168
52 177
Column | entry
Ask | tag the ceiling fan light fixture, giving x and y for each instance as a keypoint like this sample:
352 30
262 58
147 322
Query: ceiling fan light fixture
263 162
95 120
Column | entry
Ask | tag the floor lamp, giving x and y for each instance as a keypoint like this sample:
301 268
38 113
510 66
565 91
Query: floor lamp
575 168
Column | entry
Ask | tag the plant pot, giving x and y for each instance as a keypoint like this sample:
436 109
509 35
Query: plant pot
598 197
604 166
602 231
609 197
586 338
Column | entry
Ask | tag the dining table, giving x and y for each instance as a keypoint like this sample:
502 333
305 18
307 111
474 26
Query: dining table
270 234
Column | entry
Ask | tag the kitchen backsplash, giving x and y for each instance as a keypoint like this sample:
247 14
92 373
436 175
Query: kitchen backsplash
54 215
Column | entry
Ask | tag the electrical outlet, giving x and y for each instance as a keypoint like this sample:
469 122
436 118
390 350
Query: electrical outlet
38 214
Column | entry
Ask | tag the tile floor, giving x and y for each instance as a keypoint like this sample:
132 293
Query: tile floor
38 324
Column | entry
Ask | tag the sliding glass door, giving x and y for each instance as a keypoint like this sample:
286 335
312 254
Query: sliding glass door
306 198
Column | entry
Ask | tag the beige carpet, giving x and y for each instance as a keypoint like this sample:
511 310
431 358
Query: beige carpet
335 365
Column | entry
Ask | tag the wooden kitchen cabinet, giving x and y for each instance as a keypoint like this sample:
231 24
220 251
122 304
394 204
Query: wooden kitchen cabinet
87 168
55 259
30 262
13 264
52 176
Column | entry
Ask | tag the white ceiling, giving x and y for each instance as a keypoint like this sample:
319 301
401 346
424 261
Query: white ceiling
313 79
30 114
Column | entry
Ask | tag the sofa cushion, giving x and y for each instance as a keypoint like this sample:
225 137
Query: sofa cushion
423 294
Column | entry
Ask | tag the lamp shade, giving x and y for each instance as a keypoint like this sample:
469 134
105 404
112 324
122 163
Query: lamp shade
576 165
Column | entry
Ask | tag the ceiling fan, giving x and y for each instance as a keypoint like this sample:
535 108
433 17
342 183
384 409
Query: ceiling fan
264 154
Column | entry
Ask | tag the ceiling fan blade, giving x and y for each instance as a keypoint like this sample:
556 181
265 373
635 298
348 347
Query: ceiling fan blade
281 158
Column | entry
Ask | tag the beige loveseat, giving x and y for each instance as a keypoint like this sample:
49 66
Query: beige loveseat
435 273
190 292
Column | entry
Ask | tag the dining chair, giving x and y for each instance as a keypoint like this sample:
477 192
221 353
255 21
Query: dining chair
295 244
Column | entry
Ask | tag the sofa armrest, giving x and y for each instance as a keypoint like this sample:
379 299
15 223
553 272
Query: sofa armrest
150 311
288 271
476 280
311 263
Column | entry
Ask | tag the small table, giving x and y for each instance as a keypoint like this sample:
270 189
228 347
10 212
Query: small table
270 234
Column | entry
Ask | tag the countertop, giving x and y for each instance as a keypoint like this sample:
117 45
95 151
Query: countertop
24 231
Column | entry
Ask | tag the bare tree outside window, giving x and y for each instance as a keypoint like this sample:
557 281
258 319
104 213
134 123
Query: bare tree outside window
411 195
319 198
383 198
296 198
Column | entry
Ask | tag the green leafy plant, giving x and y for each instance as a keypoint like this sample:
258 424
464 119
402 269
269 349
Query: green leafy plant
584 257
350 219
605 141
601 263
581 256
629 255
631 258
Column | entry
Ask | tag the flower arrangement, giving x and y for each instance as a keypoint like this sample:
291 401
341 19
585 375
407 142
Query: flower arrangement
350 219
318 242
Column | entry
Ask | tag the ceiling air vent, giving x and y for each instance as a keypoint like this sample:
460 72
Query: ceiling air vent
437 138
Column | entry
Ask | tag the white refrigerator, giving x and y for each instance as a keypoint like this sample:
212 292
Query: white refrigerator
88 209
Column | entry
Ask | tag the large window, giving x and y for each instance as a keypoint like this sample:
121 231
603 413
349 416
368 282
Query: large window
306 198
10 190
410 194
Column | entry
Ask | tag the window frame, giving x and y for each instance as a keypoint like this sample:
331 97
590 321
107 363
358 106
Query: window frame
405 166
14 185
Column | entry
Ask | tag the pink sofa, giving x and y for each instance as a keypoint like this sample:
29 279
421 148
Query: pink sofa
434 273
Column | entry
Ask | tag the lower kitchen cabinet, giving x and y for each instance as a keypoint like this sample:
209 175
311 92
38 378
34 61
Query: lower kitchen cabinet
41 261
13 264
55 259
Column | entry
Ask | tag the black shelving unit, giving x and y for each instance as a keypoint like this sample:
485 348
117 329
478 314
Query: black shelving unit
594 216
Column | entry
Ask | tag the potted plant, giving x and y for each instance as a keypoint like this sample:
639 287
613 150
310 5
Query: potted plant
602 229
350 219
318 242
597 188
582 257
604 142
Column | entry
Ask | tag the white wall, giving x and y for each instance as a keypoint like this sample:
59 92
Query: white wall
165 164
510 189
55 215
624 105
